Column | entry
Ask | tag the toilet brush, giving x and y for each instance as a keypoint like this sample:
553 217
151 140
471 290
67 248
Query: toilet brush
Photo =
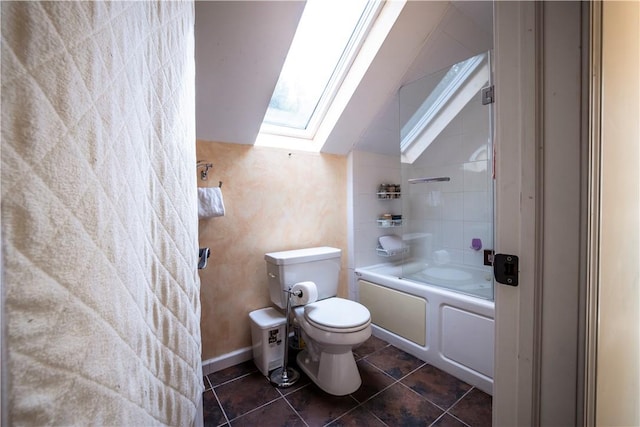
286 377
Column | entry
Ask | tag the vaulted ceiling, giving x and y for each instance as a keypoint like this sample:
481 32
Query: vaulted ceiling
241 46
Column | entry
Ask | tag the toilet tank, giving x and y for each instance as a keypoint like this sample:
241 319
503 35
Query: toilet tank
319 265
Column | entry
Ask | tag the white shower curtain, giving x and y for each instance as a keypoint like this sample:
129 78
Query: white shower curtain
99 214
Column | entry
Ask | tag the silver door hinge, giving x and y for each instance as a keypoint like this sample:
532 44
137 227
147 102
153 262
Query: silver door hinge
487 95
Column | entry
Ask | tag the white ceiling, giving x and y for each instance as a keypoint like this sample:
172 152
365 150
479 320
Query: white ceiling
240 49
241 45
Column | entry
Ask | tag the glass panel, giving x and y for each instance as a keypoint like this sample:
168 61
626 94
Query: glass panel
447 206
438 99
323 34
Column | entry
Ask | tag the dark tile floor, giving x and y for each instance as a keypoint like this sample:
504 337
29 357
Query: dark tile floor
397 390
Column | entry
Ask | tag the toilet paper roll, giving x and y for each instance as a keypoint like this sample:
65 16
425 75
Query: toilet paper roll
309 293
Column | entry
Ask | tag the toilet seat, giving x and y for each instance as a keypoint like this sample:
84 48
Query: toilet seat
337 315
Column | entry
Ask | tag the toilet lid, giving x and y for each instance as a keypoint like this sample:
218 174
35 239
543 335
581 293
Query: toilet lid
337 313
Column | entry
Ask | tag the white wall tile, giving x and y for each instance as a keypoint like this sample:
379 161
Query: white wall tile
453 206
476 206
452 235
475 176
456 255
479 230
475 258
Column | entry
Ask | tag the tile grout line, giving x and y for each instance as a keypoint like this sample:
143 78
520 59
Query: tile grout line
455 403
206 378
256 408
415 370
387 387
446 413
429 400
359 405
373 352
293 389
294 409
424 398
224 413
456 418
232 379
394 382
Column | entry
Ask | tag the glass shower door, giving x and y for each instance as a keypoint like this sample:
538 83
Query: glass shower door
447 174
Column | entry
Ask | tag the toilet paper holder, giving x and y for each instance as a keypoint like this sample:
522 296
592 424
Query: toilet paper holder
203 255
285 376
297 293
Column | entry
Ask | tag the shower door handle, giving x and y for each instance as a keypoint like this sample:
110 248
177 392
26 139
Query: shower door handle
505 269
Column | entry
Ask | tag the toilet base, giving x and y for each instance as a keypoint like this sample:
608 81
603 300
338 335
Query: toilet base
336 374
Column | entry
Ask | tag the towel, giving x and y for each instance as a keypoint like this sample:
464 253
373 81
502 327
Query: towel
210 203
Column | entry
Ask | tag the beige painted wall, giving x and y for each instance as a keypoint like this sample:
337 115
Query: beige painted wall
274 200
618 352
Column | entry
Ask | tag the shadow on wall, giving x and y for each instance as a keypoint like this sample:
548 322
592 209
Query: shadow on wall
274 200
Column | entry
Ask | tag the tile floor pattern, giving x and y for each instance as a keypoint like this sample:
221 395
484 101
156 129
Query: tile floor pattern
397 390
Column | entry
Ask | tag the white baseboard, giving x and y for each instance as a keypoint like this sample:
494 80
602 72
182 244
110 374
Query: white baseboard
226 360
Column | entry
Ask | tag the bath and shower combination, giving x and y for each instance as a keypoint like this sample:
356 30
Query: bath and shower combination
434 299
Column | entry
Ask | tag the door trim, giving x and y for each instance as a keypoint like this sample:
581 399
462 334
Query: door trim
539 212
518 186
593 226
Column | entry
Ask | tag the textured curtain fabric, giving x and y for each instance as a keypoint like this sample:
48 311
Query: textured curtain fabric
99 214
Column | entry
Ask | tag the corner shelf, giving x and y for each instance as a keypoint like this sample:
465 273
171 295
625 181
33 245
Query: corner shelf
389 223
385 195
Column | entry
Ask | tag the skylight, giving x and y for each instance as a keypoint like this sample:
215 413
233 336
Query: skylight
326 42
461 82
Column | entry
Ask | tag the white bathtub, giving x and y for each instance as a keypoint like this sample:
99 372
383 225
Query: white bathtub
450 330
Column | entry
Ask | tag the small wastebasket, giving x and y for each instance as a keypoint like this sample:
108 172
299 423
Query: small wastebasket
267 336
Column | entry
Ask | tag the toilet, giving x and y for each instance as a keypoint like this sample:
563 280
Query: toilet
331 326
